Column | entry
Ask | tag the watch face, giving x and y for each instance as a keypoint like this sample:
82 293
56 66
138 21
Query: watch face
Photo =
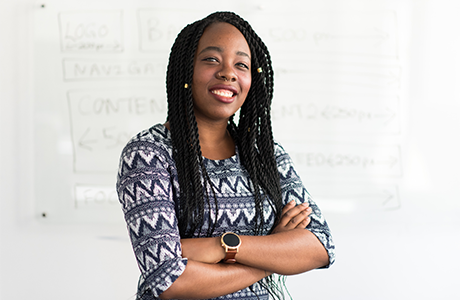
231 240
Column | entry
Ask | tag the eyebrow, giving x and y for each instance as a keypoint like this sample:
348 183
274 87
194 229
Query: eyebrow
220 50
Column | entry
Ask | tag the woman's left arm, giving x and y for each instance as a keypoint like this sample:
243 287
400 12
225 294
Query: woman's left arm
286 253
289 250
300 242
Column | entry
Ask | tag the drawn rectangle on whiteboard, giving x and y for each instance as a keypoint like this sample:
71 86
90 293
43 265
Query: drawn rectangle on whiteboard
90 69
337 160
159 28
358 76
86 195
335 113
349 198
371 33
102 122
91 31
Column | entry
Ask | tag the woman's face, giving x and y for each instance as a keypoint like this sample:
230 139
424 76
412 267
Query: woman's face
222 73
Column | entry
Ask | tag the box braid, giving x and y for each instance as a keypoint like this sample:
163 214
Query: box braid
253 134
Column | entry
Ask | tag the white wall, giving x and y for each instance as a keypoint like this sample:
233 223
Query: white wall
406 252
59 261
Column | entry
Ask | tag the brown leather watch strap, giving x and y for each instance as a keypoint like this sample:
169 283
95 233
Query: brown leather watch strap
230 256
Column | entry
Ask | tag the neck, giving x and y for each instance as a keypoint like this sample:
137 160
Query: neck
215 141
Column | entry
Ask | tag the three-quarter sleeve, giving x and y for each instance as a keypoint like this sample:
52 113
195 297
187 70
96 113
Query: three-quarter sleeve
145 190
293 189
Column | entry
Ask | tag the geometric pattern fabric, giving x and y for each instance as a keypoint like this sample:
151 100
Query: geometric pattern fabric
148 191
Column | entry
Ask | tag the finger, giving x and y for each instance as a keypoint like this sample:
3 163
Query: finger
307 220
293 215
299 219
285 210
304 223
287 207
294 211
291 204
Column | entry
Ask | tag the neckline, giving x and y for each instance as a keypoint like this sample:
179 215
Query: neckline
233 157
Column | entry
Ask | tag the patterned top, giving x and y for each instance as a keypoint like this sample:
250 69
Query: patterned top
148 191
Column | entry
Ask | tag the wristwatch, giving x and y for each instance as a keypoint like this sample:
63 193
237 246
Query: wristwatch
231 242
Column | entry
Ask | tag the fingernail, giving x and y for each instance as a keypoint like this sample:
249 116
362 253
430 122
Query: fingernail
305 204
292 202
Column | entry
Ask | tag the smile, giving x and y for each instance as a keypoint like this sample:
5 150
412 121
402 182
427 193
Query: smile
223 93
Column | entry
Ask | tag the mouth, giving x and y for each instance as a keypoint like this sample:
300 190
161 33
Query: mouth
225 93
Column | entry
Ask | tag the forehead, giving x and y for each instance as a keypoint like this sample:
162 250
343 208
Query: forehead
223 35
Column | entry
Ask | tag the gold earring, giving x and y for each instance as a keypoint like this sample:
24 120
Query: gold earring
186 86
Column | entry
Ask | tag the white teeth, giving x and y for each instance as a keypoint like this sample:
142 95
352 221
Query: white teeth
223 93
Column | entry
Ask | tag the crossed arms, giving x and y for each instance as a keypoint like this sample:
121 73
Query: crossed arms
288 250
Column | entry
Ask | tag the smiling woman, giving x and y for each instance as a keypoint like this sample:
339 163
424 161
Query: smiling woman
221 81
186 184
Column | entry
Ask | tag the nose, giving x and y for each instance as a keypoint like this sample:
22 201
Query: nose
227 74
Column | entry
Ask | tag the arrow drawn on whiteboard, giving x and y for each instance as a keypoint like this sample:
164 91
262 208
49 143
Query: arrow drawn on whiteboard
347 74
116 45
84 143
390 197
384 198
359 201
379 35
395 78
335 112
390 115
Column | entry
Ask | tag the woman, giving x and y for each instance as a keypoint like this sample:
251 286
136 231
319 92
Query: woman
211 205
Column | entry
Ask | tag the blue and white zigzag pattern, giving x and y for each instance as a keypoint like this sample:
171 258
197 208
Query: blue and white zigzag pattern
148 190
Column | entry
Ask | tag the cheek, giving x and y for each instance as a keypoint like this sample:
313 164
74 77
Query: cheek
246 84
195 77
198 82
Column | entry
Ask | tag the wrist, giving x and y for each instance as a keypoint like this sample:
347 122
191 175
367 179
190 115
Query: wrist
230 243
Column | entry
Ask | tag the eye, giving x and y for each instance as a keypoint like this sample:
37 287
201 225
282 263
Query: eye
243 65
211 59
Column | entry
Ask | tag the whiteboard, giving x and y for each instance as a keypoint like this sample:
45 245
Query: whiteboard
368 120
100 79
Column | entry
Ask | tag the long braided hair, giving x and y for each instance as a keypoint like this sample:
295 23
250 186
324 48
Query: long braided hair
253 134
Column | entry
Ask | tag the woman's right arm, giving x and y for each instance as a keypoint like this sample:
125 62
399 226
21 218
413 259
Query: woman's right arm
203 281
145 188
219 278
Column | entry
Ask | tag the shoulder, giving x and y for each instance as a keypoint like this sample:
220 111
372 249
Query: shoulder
280 153
150 148
156 140
284 163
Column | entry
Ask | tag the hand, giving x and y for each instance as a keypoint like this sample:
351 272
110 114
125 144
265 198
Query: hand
206 250
293 216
